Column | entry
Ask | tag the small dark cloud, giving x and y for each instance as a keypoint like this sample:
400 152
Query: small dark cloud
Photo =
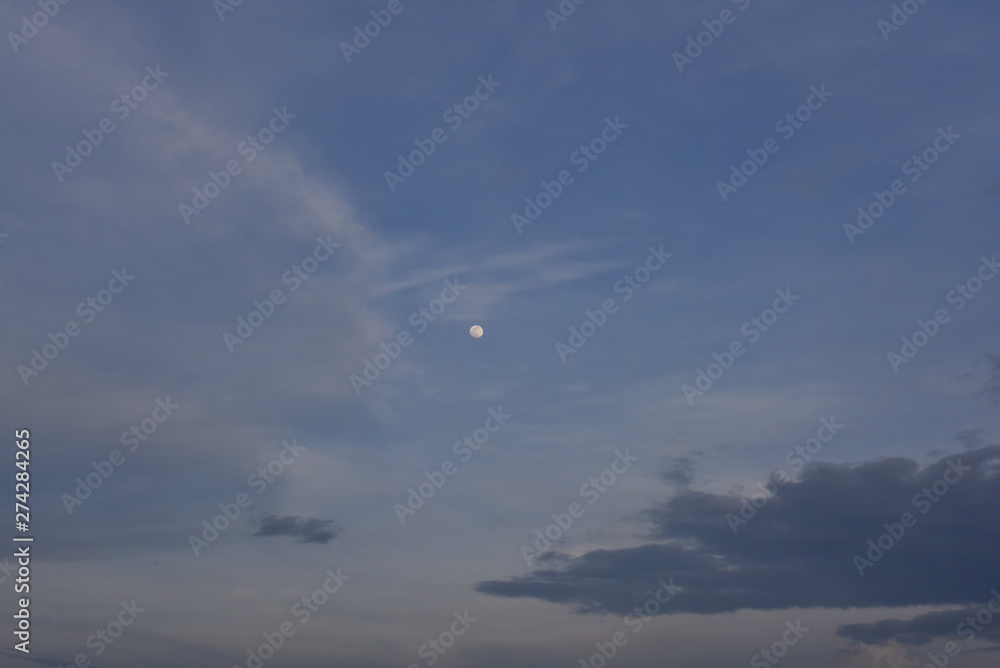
798 550
992 386
305 530
970 438
681 472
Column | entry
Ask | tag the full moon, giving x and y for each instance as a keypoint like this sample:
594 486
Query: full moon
476 331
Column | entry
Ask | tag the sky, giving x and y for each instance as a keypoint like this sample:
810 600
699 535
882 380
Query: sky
736 400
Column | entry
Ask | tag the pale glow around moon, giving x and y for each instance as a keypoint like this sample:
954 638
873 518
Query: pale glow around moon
476 331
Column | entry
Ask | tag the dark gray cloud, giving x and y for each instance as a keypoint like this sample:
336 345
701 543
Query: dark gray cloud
922 629
311 530
798 550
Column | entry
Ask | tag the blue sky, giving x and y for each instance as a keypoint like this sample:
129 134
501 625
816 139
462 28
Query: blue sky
255 119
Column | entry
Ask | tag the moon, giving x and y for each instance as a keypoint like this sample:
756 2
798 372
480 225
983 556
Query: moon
476 331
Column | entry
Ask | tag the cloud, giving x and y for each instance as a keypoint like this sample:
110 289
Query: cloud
306 530
921 629
992 386
970 438
34 658
682 471
798 550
